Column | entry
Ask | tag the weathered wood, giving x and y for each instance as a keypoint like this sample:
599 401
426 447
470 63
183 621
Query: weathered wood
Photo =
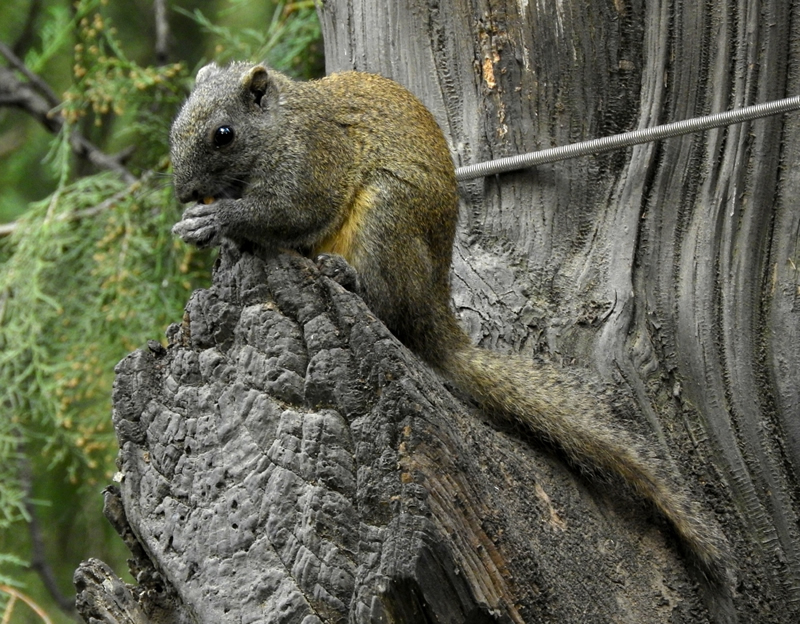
103 597
286 455
690 246
670 268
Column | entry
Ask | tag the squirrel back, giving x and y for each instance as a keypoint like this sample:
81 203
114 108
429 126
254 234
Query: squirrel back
353 164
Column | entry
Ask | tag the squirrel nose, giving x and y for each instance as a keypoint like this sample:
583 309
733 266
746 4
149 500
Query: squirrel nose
186 193
185 198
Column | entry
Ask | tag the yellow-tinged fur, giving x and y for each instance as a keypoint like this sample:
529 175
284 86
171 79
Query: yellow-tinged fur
342 240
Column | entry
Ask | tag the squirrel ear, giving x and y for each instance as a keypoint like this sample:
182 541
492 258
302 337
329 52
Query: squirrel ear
256 80
204 73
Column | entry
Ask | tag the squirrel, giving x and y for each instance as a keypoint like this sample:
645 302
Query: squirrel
353 164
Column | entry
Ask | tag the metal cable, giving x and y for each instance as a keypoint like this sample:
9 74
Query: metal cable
596 146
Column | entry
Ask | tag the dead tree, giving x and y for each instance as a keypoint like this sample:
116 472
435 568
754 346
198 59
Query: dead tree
287 460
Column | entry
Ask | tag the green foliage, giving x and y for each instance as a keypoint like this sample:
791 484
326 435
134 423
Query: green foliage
55 34
92 274
289 43
91 271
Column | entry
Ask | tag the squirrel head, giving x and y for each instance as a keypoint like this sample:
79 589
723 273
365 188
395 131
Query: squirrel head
222 128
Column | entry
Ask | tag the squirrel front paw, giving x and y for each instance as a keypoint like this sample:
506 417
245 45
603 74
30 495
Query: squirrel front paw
199 226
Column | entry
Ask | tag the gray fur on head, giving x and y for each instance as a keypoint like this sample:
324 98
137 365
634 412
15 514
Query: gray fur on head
239 96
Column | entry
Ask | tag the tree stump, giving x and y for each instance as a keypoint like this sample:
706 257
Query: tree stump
287 459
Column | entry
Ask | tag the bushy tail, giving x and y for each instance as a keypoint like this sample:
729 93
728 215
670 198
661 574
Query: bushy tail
554 408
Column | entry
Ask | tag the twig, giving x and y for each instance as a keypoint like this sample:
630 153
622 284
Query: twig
28 601
162 31
41 86
14 92
86 149
26 96
38 560
6 229
626 139
9 608
27 33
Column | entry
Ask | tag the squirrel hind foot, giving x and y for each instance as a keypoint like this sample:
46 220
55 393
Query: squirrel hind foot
339 270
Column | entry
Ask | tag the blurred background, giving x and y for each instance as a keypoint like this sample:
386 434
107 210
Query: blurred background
88 268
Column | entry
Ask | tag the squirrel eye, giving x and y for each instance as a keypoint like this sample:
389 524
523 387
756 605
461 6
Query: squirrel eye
223 136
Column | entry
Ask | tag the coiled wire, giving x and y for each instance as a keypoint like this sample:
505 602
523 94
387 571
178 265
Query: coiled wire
635 137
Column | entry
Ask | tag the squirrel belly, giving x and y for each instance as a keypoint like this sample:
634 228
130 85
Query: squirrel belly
353 164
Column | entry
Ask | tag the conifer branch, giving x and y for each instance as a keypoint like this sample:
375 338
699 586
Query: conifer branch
37 98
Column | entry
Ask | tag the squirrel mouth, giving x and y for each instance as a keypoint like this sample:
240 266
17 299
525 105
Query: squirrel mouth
233 191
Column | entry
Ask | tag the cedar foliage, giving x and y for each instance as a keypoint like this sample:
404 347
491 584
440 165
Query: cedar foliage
91 271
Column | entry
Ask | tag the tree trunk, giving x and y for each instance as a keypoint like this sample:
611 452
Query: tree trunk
668 268
286 460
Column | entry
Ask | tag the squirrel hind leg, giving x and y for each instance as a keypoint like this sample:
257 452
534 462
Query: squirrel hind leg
404 285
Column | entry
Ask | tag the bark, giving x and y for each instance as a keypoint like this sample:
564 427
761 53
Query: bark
286 460
670 268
